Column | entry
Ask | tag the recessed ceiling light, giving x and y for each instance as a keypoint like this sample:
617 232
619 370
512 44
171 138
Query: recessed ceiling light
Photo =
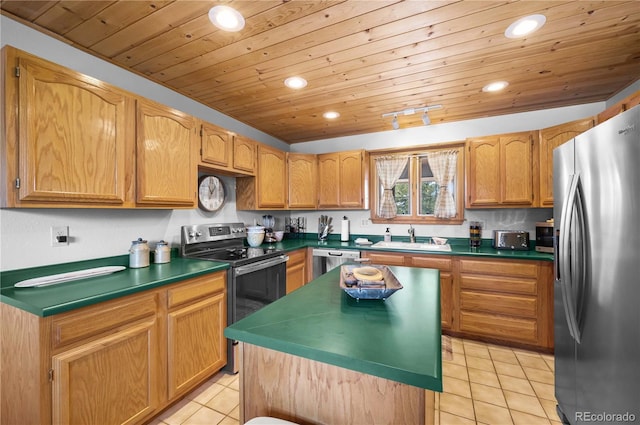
226 18
331 115
295 82
495 86
525 26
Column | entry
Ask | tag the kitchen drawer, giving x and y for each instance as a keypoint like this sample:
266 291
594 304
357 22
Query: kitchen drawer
81 324
504 284
500 327
388 259
501 268
431 262
196 289
298 256
514 305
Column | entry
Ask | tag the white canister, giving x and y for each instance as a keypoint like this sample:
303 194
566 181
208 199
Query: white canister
162 253
139 254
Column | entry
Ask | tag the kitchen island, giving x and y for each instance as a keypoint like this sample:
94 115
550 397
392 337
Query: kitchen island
320 356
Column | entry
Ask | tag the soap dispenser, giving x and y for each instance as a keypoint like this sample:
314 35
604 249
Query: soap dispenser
387 235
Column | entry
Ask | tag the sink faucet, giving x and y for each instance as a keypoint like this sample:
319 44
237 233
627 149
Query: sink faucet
412 234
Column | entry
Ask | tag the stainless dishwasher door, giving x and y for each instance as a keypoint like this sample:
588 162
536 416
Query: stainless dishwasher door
325 259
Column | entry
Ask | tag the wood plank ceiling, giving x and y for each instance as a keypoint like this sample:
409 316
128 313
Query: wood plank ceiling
361 58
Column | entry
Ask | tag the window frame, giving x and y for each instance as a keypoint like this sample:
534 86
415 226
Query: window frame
414 179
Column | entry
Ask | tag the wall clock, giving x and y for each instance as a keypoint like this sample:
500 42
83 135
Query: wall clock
211 193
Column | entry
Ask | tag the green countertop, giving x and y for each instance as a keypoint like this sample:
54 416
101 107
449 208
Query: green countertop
397 339
49 300
46 301
458 247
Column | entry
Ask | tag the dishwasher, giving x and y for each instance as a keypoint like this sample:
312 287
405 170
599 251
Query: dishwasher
325 259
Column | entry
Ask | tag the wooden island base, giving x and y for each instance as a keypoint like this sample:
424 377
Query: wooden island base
285 386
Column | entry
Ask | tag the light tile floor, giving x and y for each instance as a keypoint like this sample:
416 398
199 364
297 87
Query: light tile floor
484 384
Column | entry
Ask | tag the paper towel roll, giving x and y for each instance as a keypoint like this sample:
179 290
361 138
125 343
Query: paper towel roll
344 234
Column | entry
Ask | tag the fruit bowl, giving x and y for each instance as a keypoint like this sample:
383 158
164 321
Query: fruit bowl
368 283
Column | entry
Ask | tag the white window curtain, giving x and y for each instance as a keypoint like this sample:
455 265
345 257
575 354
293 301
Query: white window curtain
389 169
443 165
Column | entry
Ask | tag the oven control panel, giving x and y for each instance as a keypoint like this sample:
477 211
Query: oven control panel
197 233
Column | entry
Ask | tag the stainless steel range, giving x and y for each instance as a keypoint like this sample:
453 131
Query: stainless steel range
257 276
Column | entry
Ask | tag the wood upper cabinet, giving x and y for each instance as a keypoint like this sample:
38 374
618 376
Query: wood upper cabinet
216 146
268 189
342 180
624 105
225 152
196 319
244 154
69 137
501 171
551 138
302 171
271 177
166 142
328 180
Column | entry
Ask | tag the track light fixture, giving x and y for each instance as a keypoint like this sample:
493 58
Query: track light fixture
425 118
410 111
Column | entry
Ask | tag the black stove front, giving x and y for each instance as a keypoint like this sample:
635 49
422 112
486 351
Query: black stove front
256 277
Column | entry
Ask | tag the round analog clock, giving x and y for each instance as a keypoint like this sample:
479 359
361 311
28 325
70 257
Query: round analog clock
211 194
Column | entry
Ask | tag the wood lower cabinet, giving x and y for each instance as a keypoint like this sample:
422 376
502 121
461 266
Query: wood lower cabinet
117 362
196 346
501 171
441 263
506 300
445 265
551 138
296 269
111 380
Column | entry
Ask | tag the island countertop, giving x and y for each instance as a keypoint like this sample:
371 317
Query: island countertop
397 339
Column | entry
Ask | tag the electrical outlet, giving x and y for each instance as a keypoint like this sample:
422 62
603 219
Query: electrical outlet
59 235
364 222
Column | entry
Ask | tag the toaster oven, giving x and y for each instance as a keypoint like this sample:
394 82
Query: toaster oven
511 239
544 237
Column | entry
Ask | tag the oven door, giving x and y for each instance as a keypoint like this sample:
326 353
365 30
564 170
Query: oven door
251 287
257 284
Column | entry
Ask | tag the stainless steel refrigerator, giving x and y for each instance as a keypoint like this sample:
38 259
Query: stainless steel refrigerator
597 265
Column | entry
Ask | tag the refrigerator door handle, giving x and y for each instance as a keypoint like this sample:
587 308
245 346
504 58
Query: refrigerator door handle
565 275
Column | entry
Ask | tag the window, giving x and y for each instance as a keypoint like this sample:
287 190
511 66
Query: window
417 195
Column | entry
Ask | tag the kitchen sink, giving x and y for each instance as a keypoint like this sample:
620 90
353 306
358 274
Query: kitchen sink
412 245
